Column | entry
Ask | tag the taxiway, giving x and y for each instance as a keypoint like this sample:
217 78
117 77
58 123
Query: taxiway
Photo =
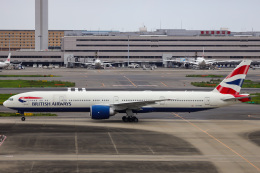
219 140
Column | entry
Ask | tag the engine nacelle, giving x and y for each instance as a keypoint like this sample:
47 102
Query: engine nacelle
186 65
101 112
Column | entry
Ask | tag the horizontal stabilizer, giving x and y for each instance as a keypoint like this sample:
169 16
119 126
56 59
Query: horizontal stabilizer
242 98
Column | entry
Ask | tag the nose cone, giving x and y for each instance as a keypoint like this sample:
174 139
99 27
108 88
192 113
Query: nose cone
5 104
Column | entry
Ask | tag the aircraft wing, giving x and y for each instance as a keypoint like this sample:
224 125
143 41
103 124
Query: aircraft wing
227 61
179 61
107 63
88 63
193 63
172 60
253 67
136 105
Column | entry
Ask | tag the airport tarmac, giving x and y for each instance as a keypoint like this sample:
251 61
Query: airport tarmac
220 140
124 78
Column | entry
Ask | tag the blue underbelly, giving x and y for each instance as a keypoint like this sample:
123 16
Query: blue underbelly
87 109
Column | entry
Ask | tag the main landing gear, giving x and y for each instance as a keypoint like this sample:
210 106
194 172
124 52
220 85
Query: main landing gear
129 116
130 119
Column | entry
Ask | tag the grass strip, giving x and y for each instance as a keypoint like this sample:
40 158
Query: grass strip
7 114
208 75
34 83
28 76
255 100
4 97
215 82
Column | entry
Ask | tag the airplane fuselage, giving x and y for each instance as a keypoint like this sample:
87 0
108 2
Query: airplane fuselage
3 65
6 62
81 101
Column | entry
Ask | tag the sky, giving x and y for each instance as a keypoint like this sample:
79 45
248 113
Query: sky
129 15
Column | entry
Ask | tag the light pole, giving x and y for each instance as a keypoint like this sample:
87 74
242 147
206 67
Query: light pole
40 41
128 52
9 43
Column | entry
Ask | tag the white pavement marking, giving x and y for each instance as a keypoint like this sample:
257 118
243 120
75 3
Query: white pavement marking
113 142
148 85
77 167
32 166
76 143
122 85
113 157
151 150
9 156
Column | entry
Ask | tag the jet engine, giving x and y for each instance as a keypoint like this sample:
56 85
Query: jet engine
186 65
101 112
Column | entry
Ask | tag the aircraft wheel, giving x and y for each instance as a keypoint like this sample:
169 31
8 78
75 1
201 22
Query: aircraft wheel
130 119
23 118
135 119
125 119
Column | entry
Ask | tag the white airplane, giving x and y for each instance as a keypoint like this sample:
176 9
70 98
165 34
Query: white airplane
103 104
201 59
7 62
255 67
98 64
133 65
199 62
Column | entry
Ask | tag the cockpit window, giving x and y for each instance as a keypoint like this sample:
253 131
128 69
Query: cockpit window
11 99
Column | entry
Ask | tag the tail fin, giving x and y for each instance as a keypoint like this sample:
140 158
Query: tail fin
7 61
233 82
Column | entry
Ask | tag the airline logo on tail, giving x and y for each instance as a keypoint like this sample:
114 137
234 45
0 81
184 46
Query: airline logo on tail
233 82
7 61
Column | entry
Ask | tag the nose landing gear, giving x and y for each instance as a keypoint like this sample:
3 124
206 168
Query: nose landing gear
22 113
23 118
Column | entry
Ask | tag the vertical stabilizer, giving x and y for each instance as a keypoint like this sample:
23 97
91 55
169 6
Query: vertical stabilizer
233 82
7 61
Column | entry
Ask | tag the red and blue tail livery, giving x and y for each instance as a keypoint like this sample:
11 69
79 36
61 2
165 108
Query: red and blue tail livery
233 82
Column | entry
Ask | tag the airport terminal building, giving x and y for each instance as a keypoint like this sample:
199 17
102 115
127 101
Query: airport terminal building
141 46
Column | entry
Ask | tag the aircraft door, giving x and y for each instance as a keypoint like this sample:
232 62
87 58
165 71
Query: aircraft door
59 98
207 101
116 99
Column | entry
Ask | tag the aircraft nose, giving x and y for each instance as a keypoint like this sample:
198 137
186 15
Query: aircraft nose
5 104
